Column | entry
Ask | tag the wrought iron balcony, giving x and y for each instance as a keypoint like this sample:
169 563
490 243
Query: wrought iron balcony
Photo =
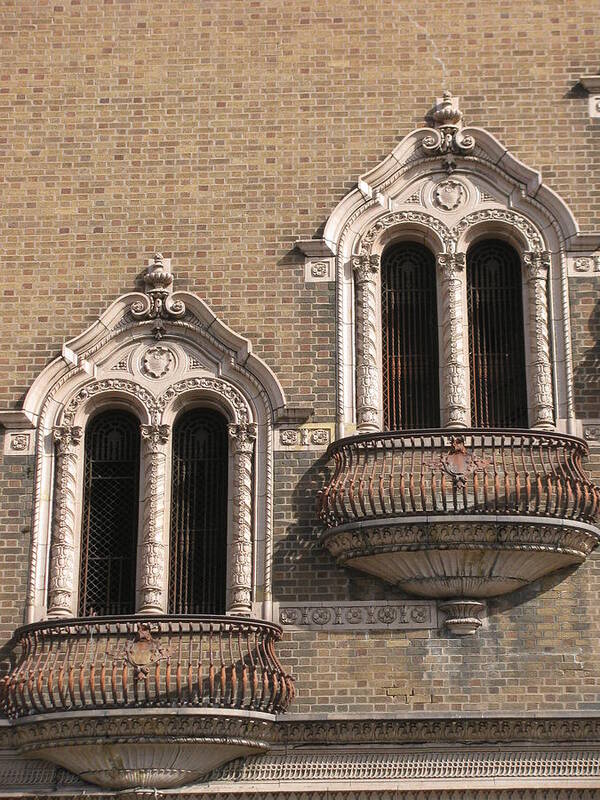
181 695
459 515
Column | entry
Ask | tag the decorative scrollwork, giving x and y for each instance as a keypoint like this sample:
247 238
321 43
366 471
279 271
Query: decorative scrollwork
158 302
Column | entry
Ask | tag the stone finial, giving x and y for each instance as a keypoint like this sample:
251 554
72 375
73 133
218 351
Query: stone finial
447 113
445 137
158 302
158 275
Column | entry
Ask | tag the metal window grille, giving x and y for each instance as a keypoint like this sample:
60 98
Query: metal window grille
409 338
496 338
110 515
198 539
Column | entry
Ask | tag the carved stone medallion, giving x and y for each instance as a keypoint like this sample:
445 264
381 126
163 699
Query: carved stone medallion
158 361
449 195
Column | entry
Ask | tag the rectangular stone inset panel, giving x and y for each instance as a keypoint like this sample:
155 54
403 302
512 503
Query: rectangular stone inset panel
359 615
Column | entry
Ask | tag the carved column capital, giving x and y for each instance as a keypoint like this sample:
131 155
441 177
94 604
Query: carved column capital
67 438
62 578
243 436
455 379
537 264
365 267
155 436
450 263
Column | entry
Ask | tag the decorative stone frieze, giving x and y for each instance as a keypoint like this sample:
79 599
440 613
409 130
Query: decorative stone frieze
242 438
366 271
312 436
358 615
455 377
62 580
153 551
537 265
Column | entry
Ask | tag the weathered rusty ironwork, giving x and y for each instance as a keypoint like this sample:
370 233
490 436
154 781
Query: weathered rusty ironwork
435 472
145 662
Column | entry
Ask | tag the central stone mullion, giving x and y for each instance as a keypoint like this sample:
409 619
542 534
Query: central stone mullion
152 589
454 341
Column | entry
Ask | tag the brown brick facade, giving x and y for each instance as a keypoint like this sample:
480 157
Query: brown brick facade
220 133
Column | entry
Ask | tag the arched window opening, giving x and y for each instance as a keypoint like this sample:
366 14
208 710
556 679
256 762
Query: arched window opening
409 338
198 540
110 515
496 336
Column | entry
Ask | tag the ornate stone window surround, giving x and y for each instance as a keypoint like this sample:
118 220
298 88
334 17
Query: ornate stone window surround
450 251
155 490
446 185
115 364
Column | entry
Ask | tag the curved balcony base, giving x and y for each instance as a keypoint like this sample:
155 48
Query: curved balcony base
145 750
471 557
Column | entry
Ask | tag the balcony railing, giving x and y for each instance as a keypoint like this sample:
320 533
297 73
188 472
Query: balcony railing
145 662
442 472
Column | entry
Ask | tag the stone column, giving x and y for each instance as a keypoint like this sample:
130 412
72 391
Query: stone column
62 587
455 374
239 600
368 405
537 266
152 552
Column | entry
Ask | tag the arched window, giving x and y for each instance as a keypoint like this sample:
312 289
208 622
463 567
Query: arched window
496 337
198 540
409 338
110 514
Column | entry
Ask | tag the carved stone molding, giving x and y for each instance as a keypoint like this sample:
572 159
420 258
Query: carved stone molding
458 764
366 270
506 216
455 377
113 385
62 580
537 265
403 218
242 438
217 385
437 730
152 569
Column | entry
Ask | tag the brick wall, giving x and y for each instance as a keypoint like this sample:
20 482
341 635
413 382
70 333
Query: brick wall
221 132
